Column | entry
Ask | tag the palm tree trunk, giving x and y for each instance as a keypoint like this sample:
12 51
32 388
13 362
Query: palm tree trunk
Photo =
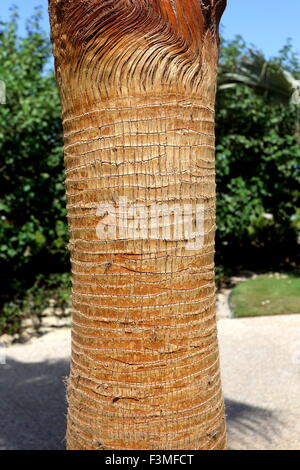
137 81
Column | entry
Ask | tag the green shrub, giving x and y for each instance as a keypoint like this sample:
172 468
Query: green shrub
33 229
53 287
258 171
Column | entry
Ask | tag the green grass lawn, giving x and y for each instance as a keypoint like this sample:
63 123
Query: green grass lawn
266 295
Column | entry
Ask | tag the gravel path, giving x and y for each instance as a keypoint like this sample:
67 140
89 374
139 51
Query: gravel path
260 360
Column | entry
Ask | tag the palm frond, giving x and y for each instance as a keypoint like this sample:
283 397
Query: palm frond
268 78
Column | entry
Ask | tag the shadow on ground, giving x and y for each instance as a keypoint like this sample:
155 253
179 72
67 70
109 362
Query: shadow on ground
247 424
33 409
33 405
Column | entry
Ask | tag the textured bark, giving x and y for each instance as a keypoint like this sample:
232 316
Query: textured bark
137 81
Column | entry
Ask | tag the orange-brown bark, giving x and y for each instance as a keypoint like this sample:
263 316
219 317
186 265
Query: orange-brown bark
137 81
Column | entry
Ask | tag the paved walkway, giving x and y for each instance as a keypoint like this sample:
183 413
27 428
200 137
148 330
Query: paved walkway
260 363
261 378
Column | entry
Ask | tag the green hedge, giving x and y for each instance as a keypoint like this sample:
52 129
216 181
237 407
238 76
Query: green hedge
258 171
33 232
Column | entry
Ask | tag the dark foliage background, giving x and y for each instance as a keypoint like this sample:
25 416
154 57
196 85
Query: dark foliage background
258 168
258 175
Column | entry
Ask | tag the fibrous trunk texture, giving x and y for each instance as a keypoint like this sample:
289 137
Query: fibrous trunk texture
137 81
